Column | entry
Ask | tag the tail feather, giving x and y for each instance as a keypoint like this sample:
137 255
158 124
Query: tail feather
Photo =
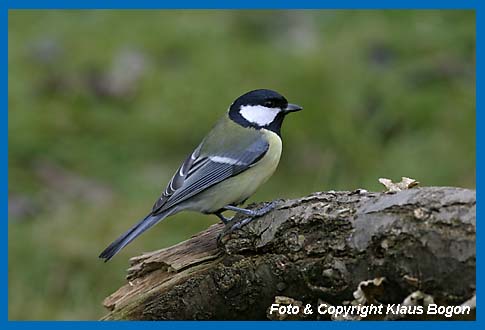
135 231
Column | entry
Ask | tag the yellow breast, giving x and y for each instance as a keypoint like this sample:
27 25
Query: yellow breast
237 189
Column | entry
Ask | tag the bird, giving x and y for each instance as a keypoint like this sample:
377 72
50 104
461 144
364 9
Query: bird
237 156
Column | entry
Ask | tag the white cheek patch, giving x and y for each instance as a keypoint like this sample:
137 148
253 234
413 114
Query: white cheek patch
257 114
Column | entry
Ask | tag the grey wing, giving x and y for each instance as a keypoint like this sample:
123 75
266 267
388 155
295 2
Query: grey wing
198 173
192 161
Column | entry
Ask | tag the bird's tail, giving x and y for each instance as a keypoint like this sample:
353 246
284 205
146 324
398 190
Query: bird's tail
135 231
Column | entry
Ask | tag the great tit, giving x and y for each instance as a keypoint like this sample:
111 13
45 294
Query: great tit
238 155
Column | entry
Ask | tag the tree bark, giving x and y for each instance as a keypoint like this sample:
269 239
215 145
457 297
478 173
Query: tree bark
415 246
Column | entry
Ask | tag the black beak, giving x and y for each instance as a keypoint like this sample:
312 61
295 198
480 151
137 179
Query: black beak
292 108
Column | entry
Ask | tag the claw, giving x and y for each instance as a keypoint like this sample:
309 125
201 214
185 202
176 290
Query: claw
252 214
230 228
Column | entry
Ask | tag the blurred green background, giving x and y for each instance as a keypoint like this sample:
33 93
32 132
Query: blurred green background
104 105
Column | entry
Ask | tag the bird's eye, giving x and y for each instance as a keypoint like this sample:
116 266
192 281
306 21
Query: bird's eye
269 104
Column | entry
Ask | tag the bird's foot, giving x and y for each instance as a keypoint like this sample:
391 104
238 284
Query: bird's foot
223 218
232 225
268 207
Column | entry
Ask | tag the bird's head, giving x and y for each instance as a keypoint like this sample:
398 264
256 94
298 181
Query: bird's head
261 108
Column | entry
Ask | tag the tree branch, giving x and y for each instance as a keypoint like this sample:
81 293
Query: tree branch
336 247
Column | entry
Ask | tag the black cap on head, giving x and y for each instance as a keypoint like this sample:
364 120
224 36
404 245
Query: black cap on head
263 97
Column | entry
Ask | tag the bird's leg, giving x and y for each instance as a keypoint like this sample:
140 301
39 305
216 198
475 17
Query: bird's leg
252 213
230 228
239 224
223 218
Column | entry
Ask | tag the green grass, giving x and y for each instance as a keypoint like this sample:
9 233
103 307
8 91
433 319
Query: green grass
386 94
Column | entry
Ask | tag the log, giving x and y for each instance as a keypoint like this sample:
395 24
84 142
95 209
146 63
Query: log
414 246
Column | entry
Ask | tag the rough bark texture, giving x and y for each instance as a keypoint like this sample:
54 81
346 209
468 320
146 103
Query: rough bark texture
417 244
